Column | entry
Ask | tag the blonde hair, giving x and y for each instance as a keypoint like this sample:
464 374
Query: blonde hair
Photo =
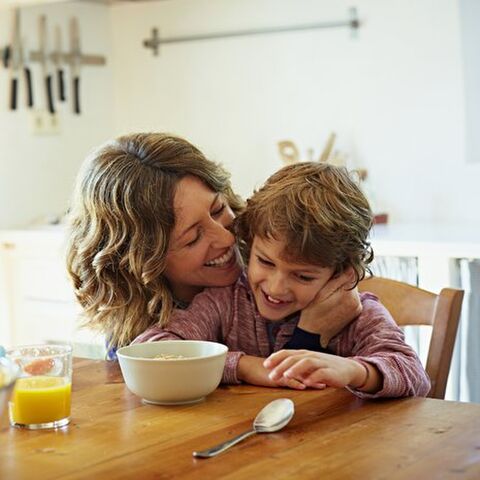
318 211
120 224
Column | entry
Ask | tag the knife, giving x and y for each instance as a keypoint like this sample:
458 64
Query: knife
13 58
6 56
75 61
57 59
47 76
28 78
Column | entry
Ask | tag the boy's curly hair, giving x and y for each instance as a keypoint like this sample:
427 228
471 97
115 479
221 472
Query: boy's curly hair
318 211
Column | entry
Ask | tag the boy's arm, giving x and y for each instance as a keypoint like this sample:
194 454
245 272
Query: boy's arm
251 370
377 340
316 369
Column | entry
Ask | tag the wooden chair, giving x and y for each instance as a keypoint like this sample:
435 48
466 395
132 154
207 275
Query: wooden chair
410 305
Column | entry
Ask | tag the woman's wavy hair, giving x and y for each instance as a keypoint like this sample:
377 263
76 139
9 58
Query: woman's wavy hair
318 211
120 223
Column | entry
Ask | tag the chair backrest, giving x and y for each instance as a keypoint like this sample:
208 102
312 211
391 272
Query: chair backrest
410 305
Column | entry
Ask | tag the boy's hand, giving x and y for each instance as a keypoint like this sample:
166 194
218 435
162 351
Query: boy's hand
333 304
251 370
315 369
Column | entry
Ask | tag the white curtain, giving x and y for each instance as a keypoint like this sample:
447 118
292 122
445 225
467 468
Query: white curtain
464 378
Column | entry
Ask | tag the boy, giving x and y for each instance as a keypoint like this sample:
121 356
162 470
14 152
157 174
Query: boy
308 223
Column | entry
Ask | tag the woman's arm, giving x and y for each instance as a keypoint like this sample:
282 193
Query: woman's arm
202 320
335 304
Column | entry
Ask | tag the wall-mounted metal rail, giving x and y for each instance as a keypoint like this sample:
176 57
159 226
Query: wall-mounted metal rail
155 41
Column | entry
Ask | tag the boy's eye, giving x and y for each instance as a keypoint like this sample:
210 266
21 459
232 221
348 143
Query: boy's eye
305 278
263 261
218 210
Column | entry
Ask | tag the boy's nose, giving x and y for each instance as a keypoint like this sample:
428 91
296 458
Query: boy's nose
277 285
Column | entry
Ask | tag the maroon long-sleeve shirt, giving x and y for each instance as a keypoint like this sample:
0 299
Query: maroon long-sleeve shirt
229 315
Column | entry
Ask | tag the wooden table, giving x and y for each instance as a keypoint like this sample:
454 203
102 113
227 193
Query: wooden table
333 435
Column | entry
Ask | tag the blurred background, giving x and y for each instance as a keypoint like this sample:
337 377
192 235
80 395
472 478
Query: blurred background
401 93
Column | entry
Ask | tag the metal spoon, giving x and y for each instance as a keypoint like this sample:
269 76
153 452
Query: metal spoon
273 417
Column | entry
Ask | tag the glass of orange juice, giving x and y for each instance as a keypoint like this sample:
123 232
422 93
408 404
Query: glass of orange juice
8 374
42 393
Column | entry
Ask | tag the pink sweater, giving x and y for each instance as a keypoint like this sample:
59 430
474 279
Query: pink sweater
229 315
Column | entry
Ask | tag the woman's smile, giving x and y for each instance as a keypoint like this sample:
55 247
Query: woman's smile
203 251
223 260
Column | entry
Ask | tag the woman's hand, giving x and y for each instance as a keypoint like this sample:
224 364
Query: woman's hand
334 304
251 370
315 369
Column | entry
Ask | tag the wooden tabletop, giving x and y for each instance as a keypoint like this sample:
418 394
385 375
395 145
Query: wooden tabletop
333 435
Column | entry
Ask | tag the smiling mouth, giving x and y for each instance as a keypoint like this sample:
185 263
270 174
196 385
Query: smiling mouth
223 260
275 302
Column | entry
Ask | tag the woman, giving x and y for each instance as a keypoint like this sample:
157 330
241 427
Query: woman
150 228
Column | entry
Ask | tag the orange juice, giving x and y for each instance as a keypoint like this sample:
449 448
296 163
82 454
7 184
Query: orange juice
40 399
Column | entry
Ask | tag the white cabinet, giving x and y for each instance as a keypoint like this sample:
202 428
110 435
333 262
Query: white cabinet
23 3
26 3
436 248
37 300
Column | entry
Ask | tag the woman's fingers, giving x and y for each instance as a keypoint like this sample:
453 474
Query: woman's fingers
343 281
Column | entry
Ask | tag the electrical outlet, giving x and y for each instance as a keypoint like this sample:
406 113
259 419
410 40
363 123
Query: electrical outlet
44 123
52 124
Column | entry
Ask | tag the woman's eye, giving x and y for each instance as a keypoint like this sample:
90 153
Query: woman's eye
219 210
263 261
194 241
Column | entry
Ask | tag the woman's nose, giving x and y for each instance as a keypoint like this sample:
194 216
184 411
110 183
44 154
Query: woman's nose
221 235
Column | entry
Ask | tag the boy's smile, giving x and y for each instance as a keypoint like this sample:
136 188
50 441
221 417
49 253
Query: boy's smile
280 286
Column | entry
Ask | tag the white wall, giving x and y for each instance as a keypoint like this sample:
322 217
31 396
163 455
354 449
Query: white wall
470 19
37 172
394 95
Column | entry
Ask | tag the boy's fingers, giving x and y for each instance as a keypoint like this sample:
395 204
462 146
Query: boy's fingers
318 376
318 386
276 358
293 383
303 368
282 367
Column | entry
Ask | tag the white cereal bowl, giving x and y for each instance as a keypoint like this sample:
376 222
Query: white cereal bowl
173 381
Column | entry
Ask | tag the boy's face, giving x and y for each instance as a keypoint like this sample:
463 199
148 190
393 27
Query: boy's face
281 287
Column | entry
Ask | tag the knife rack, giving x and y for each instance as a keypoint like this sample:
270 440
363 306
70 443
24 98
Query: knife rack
66 58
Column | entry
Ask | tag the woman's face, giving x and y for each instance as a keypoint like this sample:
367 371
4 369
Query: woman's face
202 252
